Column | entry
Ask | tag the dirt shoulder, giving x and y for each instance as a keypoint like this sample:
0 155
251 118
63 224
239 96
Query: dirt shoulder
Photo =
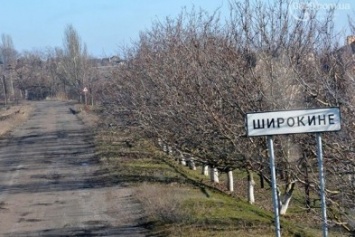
14 116
86 115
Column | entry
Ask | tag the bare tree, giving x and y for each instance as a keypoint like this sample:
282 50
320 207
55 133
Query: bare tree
191 80
8 56
73 63
33 76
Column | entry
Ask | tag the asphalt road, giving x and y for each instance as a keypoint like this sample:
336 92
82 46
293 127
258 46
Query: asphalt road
50 182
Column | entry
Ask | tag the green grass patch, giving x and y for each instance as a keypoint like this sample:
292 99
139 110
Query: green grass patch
182 202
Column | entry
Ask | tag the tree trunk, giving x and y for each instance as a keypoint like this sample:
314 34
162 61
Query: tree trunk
165 148
307 184
214 175
261 176
251 184
285 204
285 200
160 143
182 160
230 181
5 89
66 94
204 170
282 172
192 165
170 150
11 92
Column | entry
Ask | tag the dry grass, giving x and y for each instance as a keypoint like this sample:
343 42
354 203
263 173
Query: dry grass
182 210
164 202
87 115
16 115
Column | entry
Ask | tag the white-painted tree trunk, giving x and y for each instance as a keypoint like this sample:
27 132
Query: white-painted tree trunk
251 184
204 170
192 164
165 148
285 204
230 181
183 161
160 142
170 151
284 201
214 175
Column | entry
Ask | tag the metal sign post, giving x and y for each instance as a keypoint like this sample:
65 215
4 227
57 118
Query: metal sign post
293 122
322 184
275 198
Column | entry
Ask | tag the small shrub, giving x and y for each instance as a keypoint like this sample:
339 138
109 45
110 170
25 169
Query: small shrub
163 203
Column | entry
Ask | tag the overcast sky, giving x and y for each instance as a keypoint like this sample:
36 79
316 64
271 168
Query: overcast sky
105 25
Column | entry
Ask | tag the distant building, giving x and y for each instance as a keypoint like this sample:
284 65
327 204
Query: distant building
346 63
346 54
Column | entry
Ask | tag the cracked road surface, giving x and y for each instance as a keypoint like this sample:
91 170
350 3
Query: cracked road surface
50 183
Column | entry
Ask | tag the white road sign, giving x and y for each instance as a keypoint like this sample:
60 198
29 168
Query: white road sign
85 90
293 121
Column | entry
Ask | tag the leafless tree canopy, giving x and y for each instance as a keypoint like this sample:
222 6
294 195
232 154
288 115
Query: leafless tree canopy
190 81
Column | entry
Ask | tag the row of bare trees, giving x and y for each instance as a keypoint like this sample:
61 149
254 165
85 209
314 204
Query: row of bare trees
56 73
190 81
